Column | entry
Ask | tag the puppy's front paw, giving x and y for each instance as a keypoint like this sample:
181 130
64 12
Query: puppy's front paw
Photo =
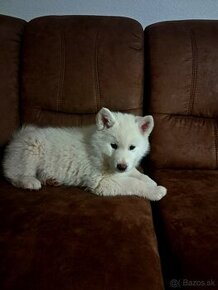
29 182
156 193
161 192
52 182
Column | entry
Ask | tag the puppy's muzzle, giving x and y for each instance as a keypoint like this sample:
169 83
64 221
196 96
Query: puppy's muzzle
122 167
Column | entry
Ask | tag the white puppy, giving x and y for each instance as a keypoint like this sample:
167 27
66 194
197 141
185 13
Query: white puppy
101 157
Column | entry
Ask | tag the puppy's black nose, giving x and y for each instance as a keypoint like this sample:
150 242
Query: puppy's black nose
121 166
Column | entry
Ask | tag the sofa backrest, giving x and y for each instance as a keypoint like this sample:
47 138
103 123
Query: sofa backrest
74 65
11 31
182 60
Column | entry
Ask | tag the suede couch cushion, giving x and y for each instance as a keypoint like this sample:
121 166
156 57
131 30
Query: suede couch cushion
66 238
186 222
183 67
74 65
182 64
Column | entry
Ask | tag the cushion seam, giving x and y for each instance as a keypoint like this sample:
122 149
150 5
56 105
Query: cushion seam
62 72
184 116
97 84
193 87
216 143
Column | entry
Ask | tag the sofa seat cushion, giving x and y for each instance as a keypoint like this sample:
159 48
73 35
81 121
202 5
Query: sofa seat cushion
186 221
66 238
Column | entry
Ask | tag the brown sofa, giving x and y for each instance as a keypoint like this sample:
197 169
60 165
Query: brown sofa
60 71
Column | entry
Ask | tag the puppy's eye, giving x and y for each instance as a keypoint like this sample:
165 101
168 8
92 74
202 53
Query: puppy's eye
131 147
114 146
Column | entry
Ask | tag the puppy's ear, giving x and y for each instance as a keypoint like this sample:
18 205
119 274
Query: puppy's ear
104 119
146 124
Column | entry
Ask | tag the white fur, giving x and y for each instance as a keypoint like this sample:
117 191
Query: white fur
84 156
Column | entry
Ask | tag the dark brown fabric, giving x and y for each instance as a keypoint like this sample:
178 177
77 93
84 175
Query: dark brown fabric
10 45
187 225
77 64
182 63
49 118
66 238
184 142
183 69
